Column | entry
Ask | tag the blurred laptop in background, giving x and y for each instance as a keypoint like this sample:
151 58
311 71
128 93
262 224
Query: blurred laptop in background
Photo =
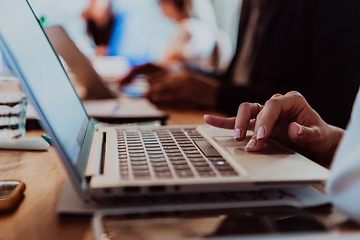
102 102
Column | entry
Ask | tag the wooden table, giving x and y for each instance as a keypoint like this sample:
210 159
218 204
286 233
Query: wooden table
44 175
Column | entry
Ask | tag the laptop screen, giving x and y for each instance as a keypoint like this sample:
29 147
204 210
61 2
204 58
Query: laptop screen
37 64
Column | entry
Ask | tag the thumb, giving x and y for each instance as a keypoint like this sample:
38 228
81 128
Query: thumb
305 136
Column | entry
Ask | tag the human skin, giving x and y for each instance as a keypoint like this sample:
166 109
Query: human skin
290 120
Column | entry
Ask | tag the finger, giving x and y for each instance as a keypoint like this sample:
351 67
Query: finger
220 122
305 136
289 105
246 112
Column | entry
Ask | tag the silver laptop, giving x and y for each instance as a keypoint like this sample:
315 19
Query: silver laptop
81 67
120 161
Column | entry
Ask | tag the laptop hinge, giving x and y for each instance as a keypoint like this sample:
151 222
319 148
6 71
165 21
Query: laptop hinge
103 152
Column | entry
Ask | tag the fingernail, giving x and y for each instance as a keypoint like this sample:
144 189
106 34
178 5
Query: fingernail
300 130
237 133
251 144
260 133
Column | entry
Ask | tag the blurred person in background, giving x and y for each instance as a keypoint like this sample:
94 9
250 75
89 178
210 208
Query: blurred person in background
99 23
312 46
194 41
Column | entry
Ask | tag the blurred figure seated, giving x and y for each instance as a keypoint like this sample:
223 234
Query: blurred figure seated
99 21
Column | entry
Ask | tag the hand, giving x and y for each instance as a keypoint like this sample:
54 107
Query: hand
184 87
152 71
288 119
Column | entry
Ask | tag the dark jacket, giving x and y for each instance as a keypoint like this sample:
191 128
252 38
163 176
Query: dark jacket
311 46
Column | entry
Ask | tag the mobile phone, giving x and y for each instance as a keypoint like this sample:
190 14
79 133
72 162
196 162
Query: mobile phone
11 194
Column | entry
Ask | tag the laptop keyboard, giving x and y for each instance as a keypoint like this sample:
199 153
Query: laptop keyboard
171 153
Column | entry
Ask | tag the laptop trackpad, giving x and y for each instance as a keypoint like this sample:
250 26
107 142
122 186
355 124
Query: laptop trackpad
239 148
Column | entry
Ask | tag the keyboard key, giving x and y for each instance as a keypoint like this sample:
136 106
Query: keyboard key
159 164
140 163
194 155
171 155
150 142
204 169
179 162
181 167
161 169
181 158
136 155
200 164
157 160
152 146
136 159
163 175
220 163
189 148
229 173
207 149
214 159
184 141
186 145
191 151
156 156
185 174
197 160
224 168
207 174
172 151
136 148
168 144
132 145
137 168
170 147
154 152
166 138
136 151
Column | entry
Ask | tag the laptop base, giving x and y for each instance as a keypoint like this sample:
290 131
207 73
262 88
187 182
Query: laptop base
300 197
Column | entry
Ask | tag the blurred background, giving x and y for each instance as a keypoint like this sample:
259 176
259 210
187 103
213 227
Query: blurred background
140 30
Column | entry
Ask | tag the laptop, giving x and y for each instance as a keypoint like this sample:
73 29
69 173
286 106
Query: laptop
101 102
104 161
79 64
